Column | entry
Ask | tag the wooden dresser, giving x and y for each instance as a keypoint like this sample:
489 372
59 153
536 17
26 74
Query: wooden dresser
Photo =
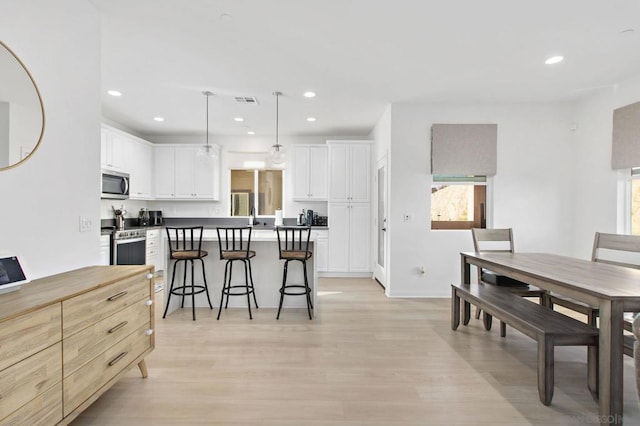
66 339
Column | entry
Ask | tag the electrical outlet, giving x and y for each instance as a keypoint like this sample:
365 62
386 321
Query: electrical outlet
85 224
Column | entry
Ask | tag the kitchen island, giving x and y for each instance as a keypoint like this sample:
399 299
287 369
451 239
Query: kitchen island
267 273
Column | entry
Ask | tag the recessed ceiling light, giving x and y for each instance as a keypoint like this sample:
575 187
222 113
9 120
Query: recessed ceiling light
626 33
309 94
239 119
114 93
311 119
158 119
251 132
554 60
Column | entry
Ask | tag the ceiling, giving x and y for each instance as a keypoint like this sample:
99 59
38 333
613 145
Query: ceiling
358 55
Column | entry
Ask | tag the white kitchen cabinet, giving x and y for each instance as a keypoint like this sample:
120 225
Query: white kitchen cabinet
154 249
310 168
183 174
105 249
138 164
321 249
349 171
112 149
349 238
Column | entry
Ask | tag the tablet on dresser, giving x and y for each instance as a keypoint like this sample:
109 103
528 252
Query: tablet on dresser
12 273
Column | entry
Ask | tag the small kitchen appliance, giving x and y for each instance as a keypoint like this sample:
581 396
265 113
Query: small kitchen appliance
155 217
309 218
143 217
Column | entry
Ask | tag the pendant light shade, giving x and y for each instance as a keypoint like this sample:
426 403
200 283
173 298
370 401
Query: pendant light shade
277 152
207 150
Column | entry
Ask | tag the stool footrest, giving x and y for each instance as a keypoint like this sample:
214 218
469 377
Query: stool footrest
306 291
188 290
227 290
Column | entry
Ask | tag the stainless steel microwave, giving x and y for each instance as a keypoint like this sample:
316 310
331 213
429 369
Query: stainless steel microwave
115 185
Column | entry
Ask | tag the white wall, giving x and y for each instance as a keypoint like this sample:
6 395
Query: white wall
42 199
597 202
532 190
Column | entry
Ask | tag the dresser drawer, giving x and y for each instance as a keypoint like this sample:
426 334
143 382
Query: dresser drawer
27 334
88 343
44 410
27 379
82 311
96 373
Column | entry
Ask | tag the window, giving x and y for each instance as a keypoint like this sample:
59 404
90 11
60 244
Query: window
256 190
458 202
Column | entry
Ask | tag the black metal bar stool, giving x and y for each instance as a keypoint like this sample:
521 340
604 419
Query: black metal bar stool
293 243
234 244
185 245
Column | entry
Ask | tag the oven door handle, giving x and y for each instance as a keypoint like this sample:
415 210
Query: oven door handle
130 240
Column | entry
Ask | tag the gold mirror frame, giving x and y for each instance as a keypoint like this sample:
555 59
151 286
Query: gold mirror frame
37 92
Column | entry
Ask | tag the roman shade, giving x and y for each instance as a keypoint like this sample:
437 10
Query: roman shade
464 149
625 152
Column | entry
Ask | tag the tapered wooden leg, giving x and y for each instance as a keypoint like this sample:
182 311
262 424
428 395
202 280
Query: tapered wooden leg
143 369
455 309
487 320
592 370
467 313
545 369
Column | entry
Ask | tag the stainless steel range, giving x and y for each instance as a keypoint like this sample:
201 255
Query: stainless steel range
128 247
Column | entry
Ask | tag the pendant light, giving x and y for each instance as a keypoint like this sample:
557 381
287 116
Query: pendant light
207 150
277 153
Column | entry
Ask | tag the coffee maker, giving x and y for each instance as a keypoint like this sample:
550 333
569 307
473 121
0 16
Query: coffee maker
309 218
155 217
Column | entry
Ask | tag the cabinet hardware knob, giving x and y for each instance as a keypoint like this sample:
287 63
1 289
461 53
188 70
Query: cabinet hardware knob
118 358
148 302
117 296
149 276
149 332
118 327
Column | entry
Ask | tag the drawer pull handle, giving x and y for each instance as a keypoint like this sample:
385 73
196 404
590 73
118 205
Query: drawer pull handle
118 327
149 276
118 358
149 332
117 296
149 302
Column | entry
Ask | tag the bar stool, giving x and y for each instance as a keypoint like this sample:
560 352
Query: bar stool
234 244
185 245
293 244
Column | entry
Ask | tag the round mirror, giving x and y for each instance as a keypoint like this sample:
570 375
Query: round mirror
21 111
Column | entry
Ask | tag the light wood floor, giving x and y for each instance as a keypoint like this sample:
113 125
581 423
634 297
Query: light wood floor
364 360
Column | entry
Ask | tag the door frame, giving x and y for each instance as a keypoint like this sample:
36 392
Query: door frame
380 273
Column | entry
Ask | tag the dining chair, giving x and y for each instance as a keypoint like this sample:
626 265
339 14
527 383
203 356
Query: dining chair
500 240
614 249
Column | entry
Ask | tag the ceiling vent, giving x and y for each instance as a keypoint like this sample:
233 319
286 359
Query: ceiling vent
246 100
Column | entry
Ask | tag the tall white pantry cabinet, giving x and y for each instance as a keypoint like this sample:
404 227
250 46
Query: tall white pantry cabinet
349 207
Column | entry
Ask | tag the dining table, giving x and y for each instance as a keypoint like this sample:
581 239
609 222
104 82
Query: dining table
613 289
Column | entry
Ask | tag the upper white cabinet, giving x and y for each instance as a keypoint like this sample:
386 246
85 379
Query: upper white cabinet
310 167
349 171
182 173
138 164
123 152
112 149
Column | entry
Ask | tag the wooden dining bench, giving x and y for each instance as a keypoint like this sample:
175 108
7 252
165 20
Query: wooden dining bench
547 327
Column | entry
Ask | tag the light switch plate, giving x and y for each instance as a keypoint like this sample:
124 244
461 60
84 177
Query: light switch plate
85 224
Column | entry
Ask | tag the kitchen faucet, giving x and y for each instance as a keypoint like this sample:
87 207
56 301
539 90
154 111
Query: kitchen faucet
253 216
